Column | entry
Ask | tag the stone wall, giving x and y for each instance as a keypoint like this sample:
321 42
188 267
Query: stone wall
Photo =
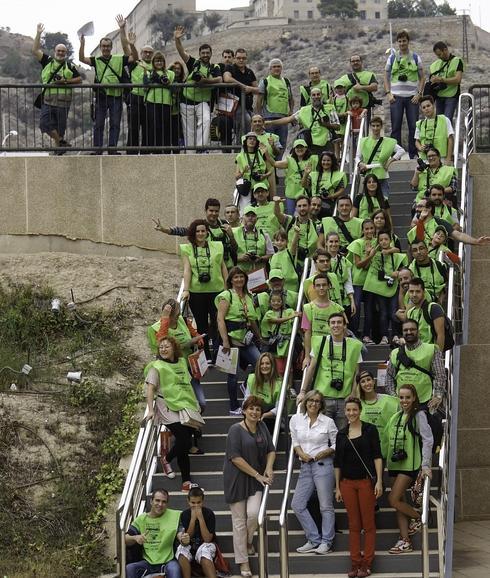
109 200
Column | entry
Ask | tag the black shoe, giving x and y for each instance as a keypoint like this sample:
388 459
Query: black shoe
114 153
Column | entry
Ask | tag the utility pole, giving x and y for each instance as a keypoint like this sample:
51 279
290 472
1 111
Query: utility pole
466 53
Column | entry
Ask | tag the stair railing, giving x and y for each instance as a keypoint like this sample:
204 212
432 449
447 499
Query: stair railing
457 311
347 145
138 479
356 175
281 404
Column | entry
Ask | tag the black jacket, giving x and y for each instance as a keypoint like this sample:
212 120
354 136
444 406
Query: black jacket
370 447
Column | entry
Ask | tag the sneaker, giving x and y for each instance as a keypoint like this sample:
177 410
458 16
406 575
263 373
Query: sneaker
363 572
186 486
167 469
324 548
401 547
308 547
236 412
384 340
250 550
292 393
414 526
367 340
353 573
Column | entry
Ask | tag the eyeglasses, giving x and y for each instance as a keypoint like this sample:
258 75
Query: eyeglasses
314 401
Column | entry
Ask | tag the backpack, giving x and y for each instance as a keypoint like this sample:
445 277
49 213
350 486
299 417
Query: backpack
448 327
437 428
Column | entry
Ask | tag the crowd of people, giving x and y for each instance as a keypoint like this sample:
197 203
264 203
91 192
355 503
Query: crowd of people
185 104
241 279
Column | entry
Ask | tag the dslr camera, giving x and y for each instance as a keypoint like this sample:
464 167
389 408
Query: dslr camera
249 337
255 176
422 165
402 77
302 253
399 455
204 277
196 76
253 255
57 77
164 79
337 384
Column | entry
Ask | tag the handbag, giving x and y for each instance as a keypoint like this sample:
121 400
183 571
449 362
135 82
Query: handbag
191 418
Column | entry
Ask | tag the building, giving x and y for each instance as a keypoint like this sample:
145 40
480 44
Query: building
308 9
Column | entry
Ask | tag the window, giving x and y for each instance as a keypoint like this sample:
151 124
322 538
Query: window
296 14
377 15
310 14
377 1
362 14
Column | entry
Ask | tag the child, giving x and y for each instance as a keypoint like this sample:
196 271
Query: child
356 113
284 260
197 536
276 328
341 105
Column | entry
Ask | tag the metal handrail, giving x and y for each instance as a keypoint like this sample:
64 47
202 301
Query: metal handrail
138 479
262 516
356 174
347 146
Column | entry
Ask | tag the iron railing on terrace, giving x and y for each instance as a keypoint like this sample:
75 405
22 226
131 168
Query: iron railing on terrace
143 128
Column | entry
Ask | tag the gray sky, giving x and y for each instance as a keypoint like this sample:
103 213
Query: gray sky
23 15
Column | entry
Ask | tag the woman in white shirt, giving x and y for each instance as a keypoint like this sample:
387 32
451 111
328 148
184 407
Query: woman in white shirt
313 436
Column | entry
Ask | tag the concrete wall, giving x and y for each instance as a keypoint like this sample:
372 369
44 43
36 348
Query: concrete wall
109 200
473 473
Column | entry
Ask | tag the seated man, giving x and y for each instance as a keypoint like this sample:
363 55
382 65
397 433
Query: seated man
156 531
198 537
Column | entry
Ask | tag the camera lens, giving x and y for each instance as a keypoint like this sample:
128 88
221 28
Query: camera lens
402 77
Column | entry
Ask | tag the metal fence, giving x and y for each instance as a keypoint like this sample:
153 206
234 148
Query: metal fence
90 118
481 113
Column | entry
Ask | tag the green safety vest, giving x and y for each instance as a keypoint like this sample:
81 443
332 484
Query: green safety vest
219 235
379 414
263 300
353 226
364 212
404 65
160 535
161 95
250 242
205 260
175 384
276 97
308 236
268 329
305 91
398 432
422 356
429 228
284 261
425 329
237 311
431 276
389 263
365 78
294 174
52 68
357 247
266 219
384 152
198 94
318 317
269 394
335 368
433 131
329 182
310 118
334 293
105 75
341 267
441 176
443 212
181 334
447 70
138 74
264 139
256 164
341 105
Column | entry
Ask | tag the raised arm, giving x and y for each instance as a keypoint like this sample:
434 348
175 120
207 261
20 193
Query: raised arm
36 46
121 22
134 52
81 52
179 33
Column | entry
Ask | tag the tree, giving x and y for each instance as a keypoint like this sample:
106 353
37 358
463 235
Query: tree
162 24
212 20
51 39
418 9
338 8
445 10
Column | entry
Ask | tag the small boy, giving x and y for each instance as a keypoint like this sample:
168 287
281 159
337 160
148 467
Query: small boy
356 113
197 536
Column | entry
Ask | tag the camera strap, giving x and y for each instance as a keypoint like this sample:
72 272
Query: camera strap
208 257
403 359
359 456
331 357
395 443
343 227
254 161
392 262
375 150
434 129
255 239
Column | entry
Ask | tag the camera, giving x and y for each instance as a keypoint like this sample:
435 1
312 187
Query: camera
253 255
381 275
402 77
164 79
57 78
436 87
422 165
337 384
255 176
196 76
323 192
204 277
399 455
389 280
249 337
302 253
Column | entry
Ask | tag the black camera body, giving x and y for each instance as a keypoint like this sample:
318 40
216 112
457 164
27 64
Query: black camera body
402 77
57 77
422 165
337 384
204 277
196 76
164 79
399 455
438 86
253 255
302 253
324 192
255 176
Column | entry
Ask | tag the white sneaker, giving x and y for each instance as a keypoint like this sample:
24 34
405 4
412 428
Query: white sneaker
323 548
308 547
236 412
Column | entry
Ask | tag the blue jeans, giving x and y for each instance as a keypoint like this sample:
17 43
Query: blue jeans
139 569
385 187
248 354
387 307
447 106
355 319
113 104
199 393
404 104
317 475
335 409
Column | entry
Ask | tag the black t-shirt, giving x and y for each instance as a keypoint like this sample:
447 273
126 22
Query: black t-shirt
209 519
214 69
247 77
46 59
